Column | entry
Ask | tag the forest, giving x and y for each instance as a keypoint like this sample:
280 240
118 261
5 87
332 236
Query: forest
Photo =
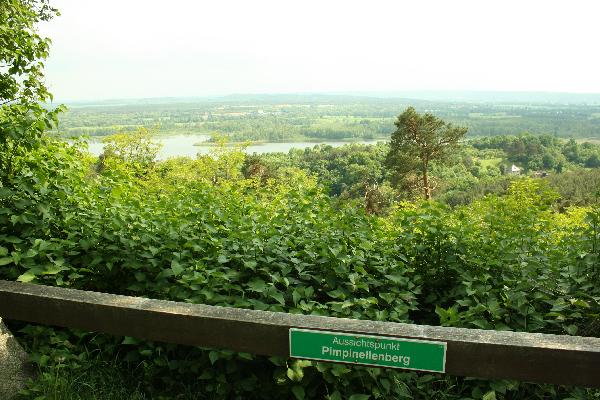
324 117
343 232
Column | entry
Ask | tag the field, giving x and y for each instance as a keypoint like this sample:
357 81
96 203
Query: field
322 117
491 162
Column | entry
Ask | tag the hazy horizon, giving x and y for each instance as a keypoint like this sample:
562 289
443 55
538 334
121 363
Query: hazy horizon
144 49
425 95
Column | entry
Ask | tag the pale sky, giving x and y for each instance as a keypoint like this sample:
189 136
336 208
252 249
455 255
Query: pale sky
148 48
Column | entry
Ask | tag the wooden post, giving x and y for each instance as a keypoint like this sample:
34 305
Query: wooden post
532 357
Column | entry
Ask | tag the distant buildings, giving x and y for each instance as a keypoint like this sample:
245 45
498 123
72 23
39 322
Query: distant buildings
541 174
514 170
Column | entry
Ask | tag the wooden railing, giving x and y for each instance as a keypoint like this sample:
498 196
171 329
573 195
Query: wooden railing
530 357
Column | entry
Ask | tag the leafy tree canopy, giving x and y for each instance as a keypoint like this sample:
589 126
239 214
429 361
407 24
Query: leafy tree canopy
136 148
23 121
22 50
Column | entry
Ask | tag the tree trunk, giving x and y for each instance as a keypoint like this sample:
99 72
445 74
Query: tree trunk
426 181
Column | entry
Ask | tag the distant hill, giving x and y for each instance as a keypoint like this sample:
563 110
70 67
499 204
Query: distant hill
498 97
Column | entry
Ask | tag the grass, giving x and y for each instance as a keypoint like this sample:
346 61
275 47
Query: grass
106 380
98 381
491 162
593 140
500 115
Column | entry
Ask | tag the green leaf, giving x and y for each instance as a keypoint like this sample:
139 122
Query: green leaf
360 397
26 277
491 395
481 323
279 297
396 278
339 369
581 303
302 363
176 267
257 285
222 259
52 270
44 358
426 378
130 340
298 392
206 374
291 374
213 356
5 260
296 296
571 329
335 396
500 386
278 361
337 294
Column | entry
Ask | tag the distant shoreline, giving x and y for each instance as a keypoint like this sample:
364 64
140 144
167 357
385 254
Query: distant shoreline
295 140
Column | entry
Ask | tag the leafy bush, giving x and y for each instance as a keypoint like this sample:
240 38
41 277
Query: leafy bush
198 231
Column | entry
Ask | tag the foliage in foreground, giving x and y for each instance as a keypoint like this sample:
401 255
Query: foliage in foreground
198 231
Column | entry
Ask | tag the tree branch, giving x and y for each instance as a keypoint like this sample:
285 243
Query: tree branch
10 100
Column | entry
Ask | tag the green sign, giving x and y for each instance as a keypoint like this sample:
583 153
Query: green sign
380 351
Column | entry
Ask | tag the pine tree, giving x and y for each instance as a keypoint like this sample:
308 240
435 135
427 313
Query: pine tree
419 140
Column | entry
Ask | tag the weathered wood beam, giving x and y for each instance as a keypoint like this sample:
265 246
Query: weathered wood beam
531 357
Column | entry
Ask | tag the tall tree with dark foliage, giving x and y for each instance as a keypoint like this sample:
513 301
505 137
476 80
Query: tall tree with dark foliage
418 140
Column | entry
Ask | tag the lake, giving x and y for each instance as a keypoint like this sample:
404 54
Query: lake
183 145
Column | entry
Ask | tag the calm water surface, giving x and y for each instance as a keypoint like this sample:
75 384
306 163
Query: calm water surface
183 145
